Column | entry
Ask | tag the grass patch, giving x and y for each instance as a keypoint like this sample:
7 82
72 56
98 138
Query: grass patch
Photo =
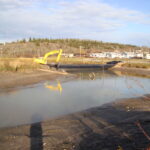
18 65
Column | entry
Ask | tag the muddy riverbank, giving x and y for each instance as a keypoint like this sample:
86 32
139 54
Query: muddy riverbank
10 80
123 125
132 71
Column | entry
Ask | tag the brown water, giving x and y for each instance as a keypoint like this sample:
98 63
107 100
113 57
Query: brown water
52 99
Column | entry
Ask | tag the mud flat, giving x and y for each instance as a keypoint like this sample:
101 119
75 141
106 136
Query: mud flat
133 71
10 80
123 124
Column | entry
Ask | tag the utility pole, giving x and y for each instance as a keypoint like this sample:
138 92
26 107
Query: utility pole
80 51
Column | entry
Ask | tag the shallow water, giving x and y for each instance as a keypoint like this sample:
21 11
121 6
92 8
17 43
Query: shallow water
52 99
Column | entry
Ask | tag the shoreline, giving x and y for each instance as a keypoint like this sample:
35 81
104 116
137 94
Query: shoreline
110 126
9 80
133 71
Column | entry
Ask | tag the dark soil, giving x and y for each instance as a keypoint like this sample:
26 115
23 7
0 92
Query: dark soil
122 125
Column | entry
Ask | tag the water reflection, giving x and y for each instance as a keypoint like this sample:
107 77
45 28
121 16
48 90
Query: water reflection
92 74
136 86
53 87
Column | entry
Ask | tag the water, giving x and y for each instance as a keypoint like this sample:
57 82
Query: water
55 98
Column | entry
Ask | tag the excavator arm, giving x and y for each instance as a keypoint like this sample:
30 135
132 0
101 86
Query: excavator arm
44 59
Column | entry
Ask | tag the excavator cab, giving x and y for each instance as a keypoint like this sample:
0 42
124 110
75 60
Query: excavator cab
44 59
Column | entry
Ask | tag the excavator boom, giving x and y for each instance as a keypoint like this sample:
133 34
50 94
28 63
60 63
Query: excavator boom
44 59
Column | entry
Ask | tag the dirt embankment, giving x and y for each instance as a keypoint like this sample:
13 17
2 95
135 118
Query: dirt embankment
131 71
122 125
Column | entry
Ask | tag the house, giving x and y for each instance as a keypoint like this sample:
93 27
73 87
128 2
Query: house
98 55
130 55
139 55
113 55
70 55
123 55
147 56
119 55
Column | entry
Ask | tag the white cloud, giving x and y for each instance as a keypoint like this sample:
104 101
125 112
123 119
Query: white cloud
99 10
13 4
37 18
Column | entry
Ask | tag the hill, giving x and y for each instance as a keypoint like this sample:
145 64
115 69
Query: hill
38 47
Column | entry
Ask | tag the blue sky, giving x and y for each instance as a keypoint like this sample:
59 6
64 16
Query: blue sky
139 5
121 21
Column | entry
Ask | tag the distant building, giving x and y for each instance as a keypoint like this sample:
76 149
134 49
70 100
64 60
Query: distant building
147 56
123 55
139 55
68 55
112 54
119 55
97 55
130 55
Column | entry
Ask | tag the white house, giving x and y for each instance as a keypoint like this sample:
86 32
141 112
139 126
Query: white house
112 55
123 55
108 55
140 55
98 55
68 55
147 56
119 55
130 54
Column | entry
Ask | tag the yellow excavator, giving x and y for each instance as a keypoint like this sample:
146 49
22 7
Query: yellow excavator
44 59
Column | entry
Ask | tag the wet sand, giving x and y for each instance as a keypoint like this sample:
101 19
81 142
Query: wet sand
122 125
